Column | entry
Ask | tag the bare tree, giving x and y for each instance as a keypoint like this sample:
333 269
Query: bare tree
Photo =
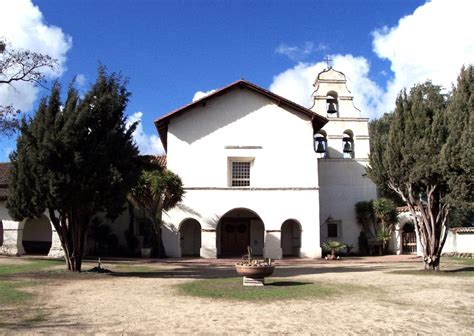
19 65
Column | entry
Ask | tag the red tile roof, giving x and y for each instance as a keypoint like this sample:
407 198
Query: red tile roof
405 209
463 229
162 123
160 159
6 166
4 177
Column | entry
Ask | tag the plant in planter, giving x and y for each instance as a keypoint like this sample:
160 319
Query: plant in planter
253 270
333 246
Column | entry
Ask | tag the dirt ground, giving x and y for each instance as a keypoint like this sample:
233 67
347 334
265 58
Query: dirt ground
148 302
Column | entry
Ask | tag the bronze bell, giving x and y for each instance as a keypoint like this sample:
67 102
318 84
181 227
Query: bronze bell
347 146
332 108
320 148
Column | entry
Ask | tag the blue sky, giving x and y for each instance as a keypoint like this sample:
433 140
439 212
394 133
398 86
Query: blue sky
170 50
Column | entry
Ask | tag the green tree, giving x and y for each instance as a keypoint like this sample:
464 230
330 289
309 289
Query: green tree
457 154
377 218
157 190
365 217
379 129
415 160
76 162
386 214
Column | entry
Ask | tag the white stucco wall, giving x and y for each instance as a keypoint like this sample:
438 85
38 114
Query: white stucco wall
284 181
342 185
199 141
272 206
11 242
13 234
459 242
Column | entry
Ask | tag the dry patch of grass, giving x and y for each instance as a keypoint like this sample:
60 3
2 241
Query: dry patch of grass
16 293
462 272
450 267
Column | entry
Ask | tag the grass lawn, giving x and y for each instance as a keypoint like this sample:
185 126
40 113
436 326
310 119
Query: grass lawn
456 260
31 266
14 294
11 289
274 289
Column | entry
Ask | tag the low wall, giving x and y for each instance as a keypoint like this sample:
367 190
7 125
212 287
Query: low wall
460 241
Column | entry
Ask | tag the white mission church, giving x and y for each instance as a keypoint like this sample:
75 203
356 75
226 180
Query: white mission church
259 170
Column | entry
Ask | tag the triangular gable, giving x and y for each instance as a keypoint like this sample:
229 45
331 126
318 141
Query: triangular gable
162 123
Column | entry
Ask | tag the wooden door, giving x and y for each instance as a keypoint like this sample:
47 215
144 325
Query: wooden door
235 237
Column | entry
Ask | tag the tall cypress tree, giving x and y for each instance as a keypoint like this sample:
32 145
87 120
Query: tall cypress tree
427 158
408 164
75 161
458 152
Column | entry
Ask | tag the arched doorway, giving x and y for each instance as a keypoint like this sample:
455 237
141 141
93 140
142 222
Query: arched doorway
237 230
290 238
408 238
190 238
37 236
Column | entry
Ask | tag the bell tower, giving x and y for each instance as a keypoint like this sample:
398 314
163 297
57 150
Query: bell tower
346 135
343 150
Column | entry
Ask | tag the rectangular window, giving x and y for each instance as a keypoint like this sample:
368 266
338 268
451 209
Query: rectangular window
332 230
240 173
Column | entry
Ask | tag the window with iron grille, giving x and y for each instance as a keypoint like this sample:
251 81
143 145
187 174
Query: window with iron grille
240 174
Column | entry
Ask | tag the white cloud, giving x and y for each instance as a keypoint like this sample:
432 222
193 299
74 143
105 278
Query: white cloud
298 53
296 83
147 144
80 80
199 95
432 43
22 25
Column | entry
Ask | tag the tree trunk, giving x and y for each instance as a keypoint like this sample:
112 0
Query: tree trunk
432 262
431 222
159 239
72 232
431 226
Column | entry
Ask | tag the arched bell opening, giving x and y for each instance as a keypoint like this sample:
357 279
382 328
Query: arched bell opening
237 230
291 238
321 144
190 238
37 236
332 104
348 144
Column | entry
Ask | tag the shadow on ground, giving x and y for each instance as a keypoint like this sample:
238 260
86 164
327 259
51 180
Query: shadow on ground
27 319
212 271
288 283
463 269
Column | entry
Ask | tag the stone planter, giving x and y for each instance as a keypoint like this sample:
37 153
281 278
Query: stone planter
254 275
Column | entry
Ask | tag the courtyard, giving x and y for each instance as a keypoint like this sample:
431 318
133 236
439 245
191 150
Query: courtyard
372 295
